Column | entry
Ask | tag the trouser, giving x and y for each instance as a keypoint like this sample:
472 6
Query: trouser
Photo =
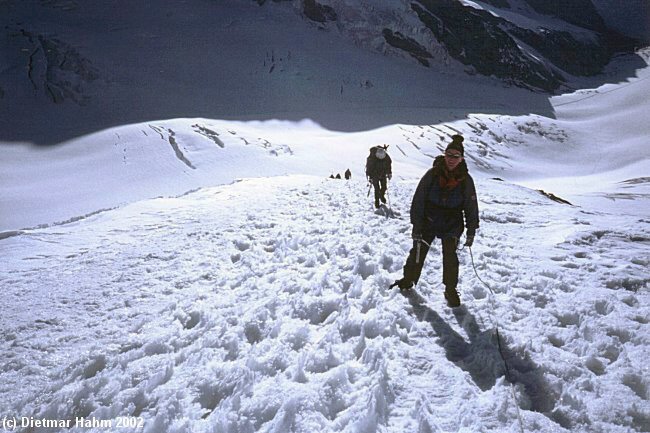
380 185
415 261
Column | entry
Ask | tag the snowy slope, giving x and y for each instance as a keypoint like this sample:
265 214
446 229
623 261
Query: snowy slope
202 274
595 144
263 306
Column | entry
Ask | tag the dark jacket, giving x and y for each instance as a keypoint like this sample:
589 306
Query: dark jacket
377 168
438 205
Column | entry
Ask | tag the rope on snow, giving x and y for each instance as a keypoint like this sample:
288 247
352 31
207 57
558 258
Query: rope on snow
496 327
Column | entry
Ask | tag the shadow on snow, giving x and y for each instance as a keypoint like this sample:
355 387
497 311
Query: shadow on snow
480 356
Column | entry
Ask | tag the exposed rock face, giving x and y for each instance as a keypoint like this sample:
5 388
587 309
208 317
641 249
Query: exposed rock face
492 44
318 12
411 46
564 51
57 69
570 39
477 38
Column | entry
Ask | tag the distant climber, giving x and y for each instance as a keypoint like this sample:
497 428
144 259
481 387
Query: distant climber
378 171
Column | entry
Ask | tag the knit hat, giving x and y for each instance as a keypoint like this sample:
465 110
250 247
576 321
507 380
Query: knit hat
456 144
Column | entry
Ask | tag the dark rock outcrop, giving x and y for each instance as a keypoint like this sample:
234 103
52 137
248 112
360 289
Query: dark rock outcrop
574 42
398 40
476 38
318 12
57 68
564 51
538 58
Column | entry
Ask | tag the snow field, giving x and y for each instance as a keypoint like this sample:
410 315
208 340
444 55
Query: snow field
264 306
126 164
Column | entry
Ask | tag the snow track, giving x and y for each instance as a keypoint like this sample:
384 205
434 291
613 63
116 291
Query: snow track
264 306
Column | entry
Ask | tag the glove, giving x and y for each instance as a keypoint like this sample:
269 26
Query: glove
469 240
416 235
390 176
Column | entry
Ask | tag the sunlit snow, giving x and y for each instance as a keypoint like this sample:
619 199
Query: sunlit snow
205 275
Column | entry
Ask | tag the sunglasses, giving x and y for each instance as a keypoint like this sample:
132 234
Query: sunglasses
453 155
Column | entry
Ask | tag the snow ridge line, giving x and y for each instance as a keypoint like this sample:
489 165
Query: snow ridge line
11 233
597 93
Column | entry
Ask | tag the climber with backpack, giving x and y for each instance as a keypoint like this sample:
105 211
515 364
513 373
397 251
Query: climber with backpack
444 204
378 171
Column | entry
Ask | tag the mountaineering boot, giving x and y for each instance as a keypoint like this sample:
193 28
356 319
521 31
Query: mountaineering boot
403 284
451 295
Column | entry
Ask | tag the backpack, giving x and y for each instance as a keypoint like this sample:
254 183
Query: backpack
374 149
376 166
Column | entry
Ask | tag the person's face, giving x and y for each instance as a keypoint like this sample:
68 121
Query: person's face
452 159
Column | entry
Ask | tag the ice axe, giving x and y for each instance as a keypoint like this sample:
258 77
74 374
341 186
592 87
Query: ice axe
418 245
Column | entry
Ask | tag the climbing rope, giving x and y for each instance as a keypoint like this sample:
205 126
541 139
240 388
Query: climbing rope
499 346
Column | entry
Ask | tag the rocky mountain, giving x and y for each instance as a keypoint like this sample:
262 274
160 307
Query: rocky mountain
540 44
71 68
